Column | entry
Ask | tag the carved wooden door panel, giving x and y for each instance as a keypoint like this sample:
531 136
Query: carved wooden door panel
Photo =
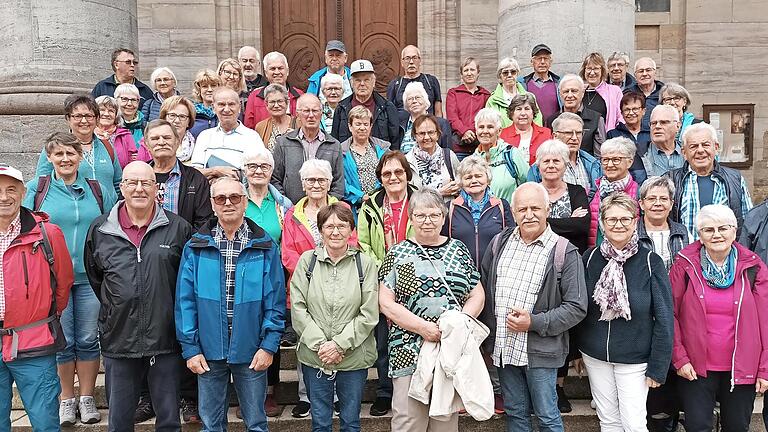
372 29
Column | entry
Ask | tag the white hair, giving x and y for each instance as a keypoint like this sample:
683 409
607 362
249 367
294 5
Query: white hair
716 213
698 128
416 88
257 153
619 56
657 181
539 188
552 147
672 110
321 165
126 89
247 47
488 115
426 198
331 78
507 62
157 72
653 62
223 179
568 78
471 163
621 145
275 56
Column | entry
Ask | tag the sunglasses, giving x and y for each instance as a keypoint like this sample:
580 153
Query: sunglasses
233 199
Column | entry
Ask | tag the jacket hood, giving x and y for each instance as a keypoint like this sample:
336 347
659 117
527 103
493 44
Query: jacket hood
461 88
29 219
257 238
691 253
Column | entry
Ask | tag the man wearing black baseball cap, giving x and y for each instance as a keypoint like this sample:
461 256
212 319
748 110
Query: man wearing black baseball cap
335 63
542 82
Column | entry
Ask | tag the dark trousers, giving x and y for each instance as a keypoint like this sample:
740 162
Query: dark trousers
698 399
381 332
123 384
663 405
187 383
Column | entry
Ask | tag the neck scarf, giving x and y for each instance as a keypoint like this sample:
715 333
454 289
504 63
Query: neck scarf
135 123
105 134
430 165
476 207
718 277
611 289
200 108
394 225
608 187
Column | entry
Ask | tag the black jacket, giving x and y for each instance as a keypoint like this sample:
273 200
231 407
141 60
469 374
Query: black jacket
107 86
194 197
495 217
575 229
386 121
593 135
136 286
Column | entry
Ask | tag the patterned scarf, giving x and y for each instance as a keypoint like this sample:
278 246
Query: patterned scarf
200 108
476 207
608 187
611 289
430 165
718 277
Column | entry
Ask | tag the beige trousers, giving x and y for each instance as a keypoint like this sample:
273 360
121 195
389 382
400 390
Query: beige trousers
410 415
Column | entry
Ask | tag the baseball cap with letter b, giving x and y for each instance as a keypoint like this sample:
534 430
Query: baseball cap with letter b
361 65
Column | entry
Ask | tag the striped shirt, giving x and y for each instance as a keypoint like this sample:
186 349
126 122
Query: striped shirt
577 175
690 203
6 238
230 250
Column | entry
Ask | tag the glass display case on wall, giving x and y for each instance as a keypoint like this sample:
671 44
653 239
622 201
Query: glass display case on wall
735 132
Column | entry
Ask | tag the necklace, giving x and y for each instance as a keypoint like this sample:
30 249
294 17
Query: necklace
592 99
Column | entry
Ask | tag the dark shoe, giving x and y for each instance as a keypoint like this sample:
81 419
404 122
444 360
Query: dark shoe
144 410
189 411
301 410
563 404
381 406
289 339
336 408
498 404
271 408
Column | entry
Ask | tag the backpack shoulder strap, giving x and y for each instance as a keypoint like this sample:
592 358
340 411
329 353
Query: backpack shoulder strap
43 183
110 149
510 163
560 248
448 162
359 265
311 266
48 253
97 193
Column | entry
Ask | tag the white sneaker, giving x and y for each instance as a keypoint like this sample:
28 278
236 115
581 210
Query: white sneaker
67 412
88 412
592 404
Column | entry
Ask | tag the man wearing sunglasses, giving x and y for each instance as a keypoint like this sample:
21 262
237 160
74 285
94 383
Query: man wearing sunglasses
132 257
234 252
125 65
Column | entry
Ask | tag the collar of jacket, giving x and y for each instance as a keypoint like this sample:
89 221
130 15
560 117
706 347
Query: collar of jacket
257 238
322 255
716 170
377 196
623 128
461 88
675 229
555 77
29 220
294 137
459 201
692 258
111 225
376 143
378 101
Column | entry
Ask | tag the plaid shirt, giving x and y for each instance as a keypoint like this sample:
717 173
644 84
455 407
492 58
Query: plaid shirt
230 250
168 194
690 205
5 242
577 175
518 282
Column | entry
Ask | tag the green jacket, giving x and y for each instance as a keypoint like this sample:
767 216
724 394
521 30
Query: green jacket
333 306
370 225
497 102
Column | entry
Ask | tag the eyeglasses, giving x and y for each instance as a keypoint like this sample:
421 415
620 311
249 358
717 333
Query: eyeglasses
632 110
421 218
128 62
592 69
415 98
174 117
508 72
234 199
644 71
264 167
654 200
613 221
81 117
135 183
710 231
128 100
409 59
332 89
277 102
660 122
431 133
573 133
396 173
331 228
229 73
307 112
164 80
670 99
612 160
315 180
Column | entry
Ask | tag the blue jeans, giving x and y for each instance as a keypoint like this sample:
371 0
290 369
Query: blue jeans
522 387
39 389
349 386
251 388
381 332
79 322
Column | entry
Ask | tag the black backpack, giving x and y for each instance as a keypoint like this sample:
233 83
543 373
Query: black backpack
44 183
358 263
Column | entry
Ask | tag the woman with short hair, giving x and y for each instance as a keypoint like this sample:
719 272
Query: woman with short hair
433 166
180 113
507 89
509 168
361 157
523 133
332 92
462 104
720 293
675 95
163 83
128 98
206 81
280 120
633 110
108 130
600 96
415 104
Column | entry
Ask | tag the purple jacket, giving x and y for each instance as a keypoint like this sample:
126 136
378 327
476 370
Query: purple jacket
612 95
750 360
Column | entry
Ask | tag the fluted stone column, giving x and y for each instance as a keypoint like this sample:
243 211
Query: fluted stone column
49 50
572 28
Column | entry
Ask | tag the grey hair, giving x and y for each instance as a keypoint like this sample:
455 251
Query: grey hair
317 164
620 145
507 62
653 62
619 56
275 88
273 56
657 181
717 213
157 72
552 147
246 47
330 78
222 179
472 163
126 88
539 188
700 127
672 110
566 116
522 99
488 115
424 199
109 102
258 153
674 89
418 88
568 78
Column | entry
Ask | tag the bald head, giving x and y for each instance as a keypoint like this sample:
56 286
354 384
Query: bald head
530 208
139 188
138 169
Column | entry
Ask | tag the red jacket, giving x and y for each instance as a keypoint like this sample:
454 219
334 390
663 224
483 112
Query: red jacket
256 107
27 287
539 135
750 307
461 106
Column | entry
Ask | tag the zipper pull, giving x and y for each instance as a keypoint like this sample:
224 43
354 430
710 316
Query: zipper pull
138 254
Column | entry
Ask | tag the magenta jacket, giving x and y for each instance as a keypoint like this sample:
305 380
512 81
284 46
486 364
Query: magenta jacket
750 359
594 208
124 145
612 95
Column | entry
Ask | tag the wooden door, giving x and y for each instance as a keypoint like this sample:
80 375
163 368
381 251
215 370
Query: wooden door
372 29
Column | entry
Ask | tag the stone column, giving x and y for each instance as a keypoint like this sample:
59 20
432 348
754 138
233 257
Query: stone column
572 28
51 49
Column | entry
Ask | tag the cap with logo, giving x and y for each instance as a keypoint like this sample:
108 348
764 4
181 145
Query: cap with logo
7 170
361 65
335 45
540 47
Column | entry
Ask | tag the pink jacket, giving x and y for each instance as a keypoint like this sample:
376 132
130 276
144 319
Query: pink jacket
143 155
612 95
750 359
594 206
124 145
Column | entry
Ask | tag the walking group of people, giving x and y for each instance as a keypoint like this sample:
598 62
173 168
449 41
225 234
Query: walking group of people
472 251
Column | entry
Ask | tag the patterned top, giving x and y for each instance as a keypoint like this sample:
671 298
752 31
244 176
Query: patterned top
660 241
690 204
418 287
408 141
561 207
518 282
168 189
230 250
366 167
577 175
14 230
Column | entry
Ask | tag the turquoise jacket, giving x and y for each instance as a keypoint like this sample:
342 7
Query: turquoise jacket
201 305
353 192
314 80
105 169
73 213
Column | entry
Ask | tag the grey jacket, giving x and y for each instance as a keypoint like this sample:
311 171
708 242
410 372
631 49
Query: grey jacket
561 304
678 237
753 233
289 156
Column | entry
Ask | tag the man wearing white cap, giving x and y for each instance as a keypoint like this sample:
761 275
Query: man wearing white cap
386 124
36 276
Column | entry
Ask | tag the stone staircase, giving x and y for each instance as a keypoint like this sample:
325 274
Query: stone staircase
581 419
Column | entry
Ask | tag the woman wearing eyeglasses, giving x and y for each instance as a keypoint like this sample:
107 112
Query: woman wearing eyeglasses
331 93
508 88
433 166
131 118
108 130
279 121
677 96
626 338
231 73
720 293
163 81
616 158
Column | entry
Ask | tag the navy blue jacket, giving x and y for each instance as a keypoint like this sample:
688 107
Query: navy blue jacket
386 121
496 216
107 86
